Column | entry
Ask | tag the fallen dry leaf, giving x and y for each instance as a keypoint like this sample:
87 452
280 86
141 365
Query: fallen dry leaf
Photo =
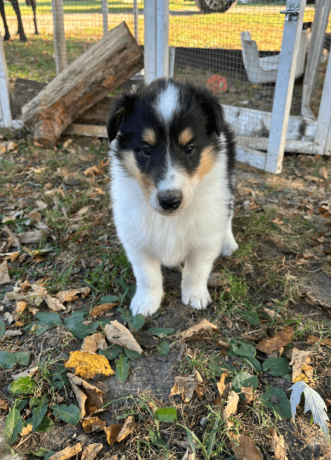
54 304
300 362
20 307
93 171
120 335
26 430
127 429
112 432
13 333
189 455
30 237
4 275
88 365
68 452
89 397
94 342
244 448
277 342
312 340
217 279
92 424
277 445
185 386
312 301
223 388
231 406
101 309
91 451
222 344
203 326
248 393
272 313
27 373
3 404
323 172
72 294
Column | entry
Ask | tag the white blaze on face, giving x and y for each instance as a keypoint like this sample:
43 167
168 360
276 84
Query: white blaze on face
167 103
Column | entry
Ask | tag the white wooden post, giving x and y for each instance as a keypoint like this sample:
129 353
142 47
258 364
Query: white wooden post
5 113
314 55
284 88
135 19
323 130
59 36
104 16
156 48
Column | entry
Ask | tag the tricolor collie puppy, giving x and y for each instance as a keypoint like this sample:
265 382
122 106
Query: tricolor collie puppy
172 158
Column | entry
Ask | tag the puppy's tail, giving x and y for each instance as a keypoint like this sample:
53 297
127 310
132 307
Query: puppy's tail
5 451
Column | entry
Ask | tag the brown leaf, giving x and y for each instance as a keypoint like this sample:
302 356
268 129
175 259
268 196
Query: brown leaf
30 237
300 360
26 430
72 294
117 333
101 309
312 178
323 172
4 275
217 279
325 212
3 404
312 301
277 445
312 340
244 448
272 313
34 215
222 344
277 342
127 429
68 452
88 365
94 342
185 386
248 393
112 432
54 304
200 391
232 404
93 171
89 397
91 451
203 326
92 424
20 307
223 388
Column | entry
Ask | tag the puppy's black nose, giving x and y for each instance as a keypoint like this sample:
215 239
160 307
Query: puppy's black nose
170 202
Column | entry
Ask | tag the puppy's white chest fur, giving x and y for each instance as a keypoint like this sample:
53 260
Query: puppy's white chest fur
170 239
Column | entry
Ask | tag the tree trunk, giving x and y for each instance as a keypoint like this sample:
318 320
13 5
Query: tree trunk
87 80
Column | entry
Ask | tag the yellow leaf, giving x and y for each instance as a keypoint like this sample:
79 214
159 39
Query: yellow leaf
223 389
88 365
112 432
26 430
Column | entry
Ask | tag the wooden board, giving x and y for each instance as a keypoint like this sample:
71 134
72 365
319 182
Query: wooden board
102 68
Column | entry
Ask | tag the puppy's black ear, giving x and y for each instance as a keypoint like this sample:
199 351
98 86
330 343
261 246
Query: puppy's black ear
121 108
213 111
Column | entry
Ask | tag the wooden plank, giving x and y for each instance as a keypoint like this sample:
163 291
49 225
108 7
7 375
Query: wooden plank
87 130
5 112
102 68
291 146
323 130
59 36
251 157
284 89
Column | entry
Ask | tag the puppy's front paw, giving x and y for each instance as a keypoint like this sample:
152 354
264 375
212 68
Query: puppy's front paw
229 245
146 302
198 298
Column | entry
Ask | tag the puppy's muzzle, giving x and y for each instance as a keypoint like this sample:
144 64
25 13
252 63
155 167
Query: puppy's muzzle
170 201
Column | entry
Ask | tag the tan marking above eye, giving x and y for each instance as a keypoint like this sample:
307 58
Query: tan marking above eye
149 136
185 136
207 162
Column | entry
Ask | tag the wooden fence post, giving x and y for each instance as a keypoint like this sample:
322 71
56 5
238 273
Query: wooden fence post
59 36
104 16
5 112
284 86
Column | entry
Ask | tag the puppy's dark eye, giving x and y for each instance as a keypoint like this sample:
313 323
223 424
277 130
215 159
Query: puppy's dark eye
147 151
189 149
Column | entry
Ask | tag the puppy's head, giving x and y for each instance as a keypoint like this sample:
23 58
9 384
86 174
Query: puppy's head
167 137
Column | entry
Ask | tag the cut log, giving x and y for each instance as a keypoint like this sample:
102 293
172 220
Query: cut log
87 80
25 90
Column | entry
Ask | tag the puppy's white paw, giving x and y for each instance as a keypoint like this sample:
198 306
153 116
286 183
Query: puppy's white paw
229 245
146 302
198 298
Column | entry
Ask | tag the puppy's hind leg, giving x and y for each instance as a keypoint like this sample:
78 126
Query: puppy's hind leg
229 243
147 270
197 268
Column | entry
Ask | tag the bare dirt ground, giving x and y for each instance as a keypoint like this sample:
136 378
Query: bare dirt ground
57 234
